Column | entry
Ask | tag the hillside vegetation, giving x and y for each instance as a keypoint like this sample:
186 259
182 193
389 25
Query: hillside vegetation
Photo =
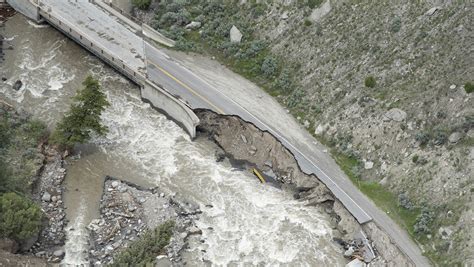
386 85
20 163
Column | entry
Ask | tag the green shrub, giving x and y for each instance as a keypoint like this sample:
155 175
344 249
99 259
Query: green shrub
440 138
254 48
469 87
422 138
423 222
284 82
468 123
34 131
370 82
307 22
415 159
404 201
141 4
6 182
144 251
20 218
4 133
396 25
314 3
269 66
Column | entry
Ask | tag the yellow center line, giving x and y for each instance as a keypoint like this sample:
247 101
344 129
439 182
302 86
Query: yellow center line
187 87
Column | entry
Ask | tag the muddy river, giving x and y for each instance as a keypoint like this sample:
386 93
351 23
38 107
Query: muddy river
248 224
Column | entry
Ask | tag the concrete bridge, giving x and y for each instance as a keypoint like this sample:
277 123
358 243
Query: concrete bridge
113 43
176 90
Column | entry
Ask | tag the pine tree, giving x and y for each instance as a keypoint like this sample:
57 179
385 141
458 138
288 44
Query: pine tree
83 118
20 218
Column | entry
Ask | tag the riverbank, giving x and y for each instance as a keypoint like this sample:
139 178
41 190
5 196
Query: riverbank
33 170
48 193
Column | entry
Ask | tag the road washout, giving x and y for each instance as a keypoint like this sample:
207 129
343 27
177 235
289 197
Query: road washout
243 141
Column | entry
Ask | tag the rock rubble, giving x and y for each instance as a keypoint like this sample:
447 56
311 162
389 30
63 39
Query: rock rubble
127 211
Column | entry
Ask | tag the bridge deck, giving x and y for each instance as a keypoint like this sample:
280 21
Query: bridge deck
106 31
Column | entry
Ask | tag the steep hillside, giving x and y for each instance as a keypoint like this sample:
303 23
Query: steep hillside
386 85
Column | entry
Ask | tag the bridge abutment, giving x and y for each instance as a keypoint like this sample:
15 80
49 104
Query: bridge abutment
27 8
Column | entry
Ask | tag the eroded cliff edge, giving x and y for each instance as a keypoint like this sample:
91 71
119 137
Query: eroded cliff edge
243 141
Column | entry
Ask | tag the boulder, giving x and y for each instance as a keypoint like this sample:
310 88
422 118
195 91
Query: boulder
455 137
306 124
432 11
235 35
318 13
368 165
396 114
193 230
356 263
349 251
193 25
58 253
115 184
17 85
46 197
163 261
319 130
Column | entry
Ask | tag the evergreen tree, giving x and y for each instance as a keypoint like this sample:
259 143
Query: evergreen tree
83 118
20 218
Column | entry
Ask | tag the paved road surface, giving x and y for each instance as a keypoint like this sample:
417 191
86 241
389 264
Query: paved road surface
178 80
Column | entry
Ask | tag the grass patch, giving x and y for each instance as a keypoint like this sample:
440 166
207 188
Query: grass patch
384 199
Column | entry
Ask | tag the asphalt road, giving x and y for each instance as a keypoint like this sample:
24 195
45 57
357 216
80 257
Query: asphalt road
198 93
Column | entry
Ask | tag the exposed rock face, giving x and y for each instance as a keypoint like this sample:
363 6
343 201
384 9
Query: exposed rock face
396 114
262 149
318 13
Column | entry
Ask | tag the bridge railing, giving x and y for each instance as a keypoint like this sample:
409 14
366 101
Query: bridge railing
83 39
124 13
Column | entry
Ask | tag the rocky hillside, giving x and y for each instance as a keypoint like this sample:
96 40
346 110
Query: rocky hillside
386 85
411 131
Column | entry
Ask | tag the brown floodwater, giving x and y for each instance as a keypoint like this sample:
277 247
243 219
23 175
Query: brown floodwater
249 223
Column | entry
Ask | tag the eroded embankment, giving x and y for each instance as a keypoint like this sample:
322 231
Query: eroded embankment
243 141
